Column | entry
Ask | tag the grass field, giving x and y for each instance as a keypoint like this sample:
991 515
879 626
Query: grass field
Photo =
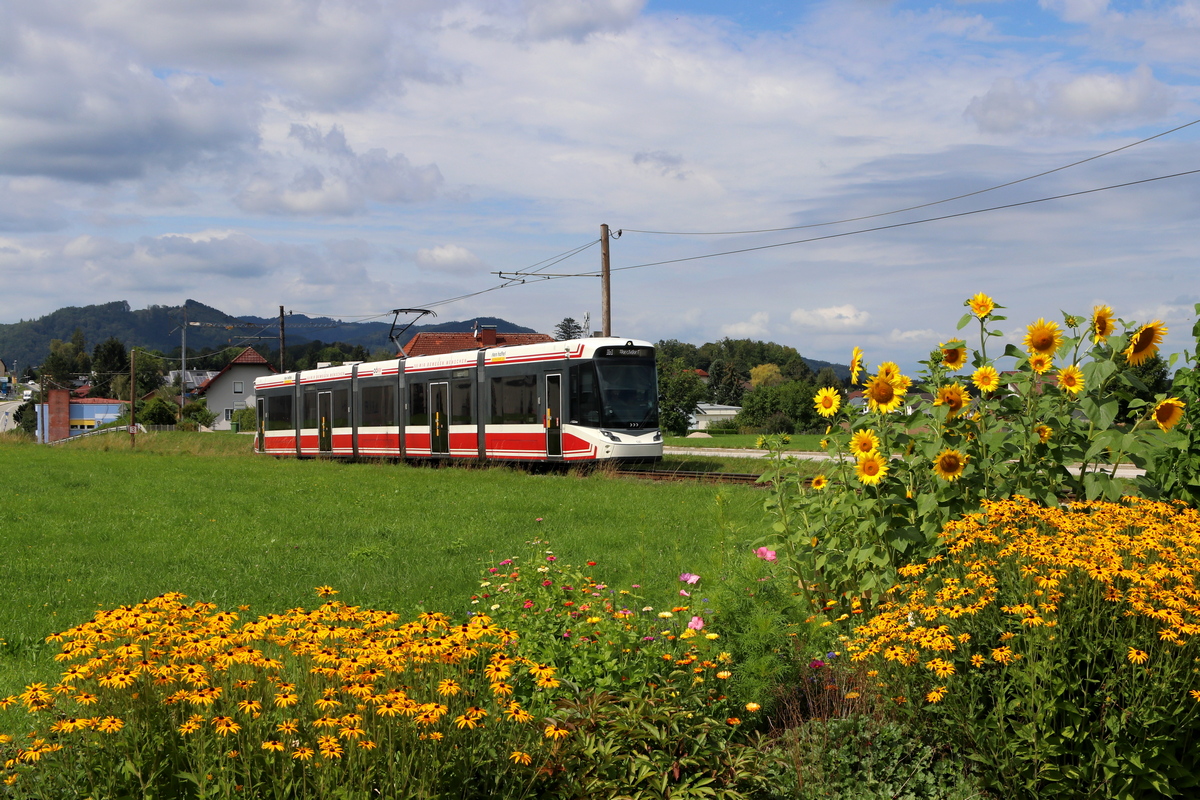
800 441
94 524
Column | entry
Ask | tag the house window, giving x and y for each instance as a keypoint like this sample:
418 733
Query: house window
228 414
237 387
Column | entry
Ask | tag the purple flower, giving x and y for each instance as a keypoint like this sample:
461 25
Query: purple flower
689 578
696 624
816 663
765 554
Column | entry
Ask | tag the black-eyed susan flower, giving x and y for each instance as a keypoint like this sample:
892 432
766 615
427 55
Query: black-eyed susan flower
1102 323
325 591
273 746
871 468
1137 656
1043 337
827 401
936 695
1144 344
949 464
554 732
1168 413
520 757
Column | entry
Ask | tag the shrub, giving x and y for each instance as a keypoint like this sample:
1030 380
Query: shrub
247 418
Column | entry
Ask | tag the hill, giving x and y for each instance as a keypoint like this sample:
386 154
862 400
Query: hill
159 328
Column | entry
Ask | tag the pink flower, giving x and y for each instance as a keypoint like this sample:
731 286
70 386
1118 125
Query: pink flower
689 578
551 558
506 562
696 624
684 593
765 554
539 519
546 583
528 604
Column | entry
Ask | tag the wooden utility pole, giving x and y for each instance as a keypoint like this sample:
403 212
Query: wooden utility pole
281 339
605 293
132 396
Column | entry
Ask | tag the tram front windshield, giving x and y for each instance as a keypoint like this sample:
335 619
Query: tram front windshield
628 393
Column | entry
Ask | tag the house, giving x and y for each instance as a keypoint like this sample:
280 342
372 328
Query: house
190 379
232 388
436 343
63 415
708 413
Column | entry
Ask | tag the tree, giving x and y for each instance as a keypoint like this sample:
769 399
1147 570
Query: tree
109 359
793 400
725 384
668 350
58 370
569 329
828 379
680 390
149 377
765 375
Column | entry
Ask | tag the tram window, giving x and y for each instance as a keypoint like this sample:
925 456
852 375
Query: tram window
418 408
341 408
378 406
460 403
514 399
310 409
279 413
585 397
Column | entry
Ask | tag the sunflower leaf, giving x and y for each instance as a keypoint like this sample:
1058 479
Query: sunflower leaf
966 318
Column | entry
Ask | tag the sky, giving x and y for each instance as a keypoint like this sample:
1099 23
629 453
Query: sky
347 157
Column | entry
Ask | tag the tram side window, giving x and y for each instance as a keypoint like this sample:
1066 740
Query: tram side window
514 399
378 406
585 396
418 406
460 403
341 408
279 413
310 409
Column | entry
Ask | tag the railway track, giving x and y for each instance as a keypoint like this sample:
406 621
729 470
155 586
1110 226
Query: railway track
690 475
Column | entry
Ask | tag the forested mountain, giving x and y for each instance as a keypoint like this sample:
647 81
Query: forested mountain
158 328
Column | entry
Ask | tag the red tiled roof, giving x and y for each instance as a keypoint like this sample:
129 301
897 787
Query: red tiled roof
247 356
95 401
431 343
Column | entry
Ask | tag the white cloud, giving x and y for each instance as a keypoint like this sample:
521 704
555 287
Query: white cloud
1076 10
756 326
449 258
576 19
840 317
913 336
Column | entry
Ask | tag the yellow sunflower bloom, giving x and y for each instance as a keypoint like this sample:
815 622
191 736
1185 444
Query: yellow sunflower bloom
1040 363
1168 413
889 370
1043 337
949 464
954 397
1102 323
1044 433
871 468
856 364
981 305
986 379
819 482
1070 379
882 394
827 401
863 442
1145 342
954 356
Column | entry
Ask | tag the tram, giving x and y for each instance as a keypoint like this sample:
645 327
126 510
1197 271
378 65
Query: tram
581 400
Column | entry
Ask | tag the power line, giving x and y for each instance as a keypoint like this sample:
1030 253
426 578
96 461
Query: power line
922 205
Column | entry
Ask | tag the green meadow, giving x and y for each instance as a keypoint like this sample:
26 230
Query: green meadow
95 524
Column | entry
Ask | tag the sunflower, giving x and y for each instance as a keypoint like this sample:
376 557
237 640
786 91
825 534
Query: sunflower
819 482
981 305
871 468
1102 324
953 397
1070 379
1168 413
954 356
1145 342
1044 433
986 379
856 364
1040 362
1043 337
889 370
827 401
863 442
882 395
949 464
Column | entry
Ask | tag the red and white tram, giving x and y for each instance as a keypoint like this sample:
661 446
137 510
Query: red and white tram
570 401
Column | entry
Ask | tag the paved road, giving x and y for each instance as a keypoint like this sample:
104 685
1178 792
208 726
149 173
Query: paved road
7 409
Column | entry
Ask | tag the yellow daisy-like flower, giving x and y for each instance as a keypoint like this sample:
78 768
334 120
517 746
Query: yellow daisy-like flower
1043 337
554 732
936 695
1168 413
819 482
949 464
1145 342
1040 363
1102 323
1138 656
977 660
863 442
856 364
954 397
325 591
1070 379
882 394
954 356
871 468
520 757
986 379
273 746
752 707
827 401
448 687
981 305
1044 433
890 370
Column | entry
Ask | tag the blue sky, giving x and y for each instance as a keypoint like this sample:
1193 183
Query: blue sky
346 157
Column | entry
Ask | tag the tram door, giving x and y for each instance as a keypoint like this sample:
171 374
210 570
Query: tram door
325 422
553 415
439 418
262 424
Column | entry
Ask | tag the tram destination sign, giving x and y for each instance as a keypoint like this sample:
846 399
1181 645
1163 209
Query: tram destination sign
625 352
